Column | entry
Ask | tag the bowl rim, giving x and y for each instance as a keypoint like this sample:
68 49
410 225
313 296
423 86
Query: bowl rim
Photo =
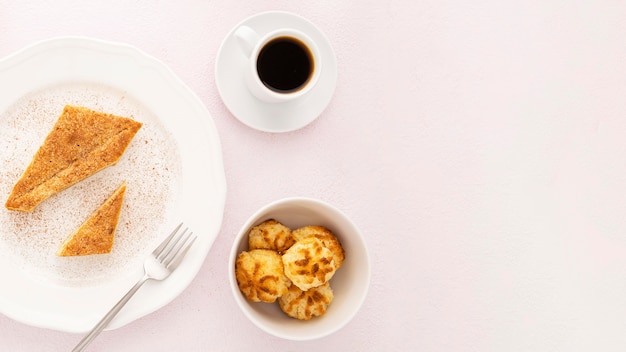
234 252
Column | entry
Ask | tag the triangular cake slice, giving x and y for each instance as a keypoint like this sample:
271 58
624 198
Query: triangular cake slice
81 143
96 234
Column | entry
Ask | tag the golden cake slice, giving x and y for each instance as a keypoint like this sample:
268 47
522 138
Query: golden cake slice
96 234
81 143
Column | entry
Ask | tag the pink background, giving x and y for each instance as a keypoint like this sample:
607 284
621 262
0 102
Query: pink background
478 145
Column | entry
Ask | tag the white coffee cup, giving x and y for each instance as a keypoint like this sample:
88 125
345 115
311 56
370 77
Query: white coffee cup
277 71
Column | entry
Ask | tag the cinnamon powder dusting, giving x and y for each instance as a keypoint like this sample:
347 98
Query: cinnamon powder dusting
150 166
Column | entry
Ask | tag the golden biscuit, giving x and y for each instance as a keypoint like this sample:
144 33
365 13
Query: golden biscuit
304 305
308 263
270 234
323 234
260 275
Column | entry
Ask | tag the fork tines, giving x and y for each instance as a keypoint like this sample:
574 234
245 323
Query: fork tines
175 245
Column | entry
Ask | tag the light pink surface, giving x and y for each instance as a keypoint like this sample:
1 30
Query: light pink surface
479 146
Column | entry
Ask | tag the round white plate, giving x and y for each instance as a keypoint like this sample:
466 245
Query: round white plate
115 75
268 117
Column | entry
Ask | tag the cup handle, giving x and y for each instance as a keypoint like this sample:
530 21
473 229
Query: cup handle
247 39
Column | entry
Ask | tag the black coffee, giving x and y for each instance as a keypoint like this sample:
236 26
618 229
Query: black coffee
284 64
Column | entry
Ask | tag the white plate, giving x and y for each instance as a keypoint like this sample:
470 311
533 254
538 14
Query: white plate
268 117
39 291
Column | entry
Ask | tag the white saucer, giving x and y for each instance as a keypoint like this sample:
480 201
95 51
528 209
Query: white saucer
268 117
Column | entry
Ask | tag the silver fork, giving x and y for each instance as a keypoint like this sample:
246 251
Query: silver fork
158 266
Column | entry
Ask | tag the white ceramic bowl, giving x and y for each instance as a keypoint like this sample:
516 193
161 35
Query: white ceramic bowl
350 283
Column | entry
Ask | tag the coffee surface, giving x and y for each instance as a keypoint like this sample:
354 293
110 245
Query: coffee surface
285 64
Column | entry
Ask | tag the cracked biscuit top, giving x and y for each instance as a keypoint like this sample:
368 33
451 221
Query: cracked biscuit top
329 240
308 263
305 305
260 275
270 234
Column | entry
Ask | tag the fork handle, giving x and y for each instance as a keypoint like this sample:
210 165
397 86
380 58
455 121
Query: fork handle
109 316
